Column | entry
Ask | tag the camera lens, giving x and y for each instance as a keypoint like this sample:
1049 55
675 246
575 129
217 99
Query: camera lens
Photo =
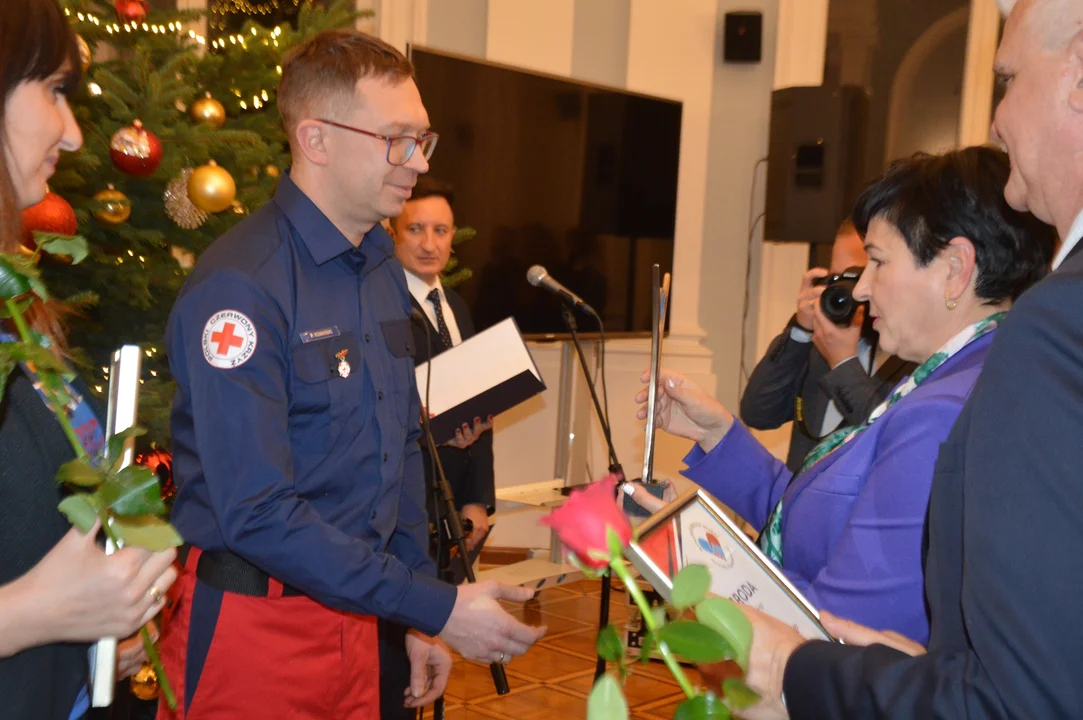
837 302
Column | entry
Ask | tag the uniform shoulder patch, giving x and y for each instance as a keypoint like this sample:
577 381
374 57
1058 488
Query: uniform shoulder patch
229 339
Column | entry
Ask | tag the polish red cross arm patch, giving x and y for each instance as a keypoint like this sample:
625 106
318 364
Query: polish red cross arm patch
229 339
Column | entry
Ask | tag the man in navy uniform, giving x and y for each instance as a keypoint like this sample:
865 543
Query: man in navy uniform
296 425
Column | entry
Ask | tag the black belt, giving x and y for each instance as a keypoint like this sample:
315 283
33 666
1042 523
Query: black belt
225 571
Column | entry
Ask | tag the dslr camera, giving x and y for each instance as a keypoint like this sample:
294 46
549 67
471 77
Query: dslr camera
837 300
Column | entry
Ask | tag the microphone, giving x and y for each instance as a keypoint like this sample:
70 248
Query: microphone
453 524
538 276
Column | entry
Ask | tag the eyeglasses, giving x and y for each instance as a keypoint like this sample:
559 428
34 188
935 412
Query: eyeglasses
400 148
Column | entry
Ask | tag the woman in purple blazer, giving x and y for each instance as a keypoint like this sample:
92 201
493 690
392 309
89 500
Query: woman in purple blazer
946 258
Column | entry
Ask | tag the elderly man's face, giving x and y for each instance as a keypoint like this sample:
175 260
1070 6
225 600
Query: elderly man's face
1036 115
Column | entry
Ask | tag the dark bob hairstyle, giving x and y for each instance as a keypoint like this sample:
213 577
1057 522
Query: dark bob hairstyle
931 199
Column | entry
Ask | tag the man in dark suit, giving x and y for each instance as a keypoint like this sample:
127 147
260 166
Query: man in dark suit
816 373
1004 571
423 235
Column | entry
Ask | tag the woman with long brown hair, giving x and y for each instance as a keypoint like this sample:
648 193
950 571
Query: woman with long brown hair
58 590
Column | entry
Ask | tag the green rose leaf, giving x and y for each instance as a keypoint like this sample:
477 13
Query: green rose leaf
12 282
7 364
114 451
146 532
694 642
81 473
79 511
738 695
21 306
607 701
648 648
702 707
610 646
690 586
658 614
724 617
43 360
74 246
133 491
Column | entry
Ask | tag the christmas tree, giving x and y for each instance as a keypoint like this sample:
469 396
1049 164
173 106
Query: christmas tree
182 139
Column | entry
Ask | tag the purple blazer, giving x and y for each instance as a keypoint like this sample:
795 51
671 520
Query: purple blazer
852 524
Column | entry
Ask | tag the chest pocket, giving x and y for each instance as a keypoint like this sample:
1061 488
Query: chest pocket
399 336
326 389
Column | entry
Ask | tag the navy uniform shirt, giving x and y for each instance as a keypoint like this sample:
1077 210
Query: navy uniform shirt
296 420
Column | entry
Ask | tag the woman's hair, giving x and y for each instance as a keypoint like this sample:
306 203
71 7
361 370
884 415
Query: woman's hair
931 199
36 41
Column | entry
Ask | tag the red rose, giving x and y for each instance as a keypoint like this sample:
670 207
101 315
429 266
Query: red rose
581 522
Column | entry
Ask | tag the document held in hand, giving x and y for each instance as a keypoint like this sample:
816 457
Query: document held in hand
692 530
485 375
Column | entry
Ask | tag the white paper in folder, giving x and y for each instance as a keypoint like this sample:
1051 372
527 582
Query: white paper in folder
487 374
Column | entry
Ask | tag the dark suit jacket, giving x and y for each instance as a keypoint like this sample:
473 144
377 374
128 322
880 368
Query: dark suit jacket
768 400
1004 567
469 471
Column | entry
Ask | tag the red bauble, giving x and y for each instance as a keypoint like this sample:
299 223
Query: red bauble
131 11
161 463
51 215
135 150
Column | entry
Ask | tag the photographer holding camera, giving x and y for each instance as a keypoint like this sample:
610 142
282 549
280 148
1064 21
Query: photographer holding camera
817 372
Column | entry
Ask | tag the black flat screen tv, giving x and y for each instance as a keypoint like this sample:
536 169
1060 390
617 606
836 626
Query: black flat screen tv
576 177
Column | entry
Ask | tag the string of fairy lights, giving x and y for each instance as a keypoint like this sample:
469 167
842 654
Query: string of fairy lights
272 35
225 8
149 352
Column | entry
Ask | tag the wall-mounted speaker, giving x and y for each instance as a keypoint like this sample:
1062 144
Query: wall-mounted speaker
816 161
743 37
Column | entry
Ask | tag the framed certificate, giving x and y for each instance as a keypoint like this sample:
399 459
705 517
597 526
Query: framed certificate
693 530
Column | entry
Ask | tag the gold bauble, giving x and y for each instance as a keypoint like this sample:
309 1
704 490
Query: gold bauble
84 52
208 111
211 188
178 206
145 683
273 171
115 206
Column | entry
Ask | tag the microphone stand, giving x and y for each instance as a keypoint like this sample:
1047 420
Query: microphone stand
452 523
614 464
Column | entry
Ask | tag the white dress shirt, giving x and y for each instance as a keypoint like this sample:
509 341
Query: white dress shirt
1074 235
420 290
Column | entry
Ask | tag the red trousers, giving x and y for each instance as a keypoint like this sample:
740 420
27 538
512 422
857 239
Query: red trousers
235 656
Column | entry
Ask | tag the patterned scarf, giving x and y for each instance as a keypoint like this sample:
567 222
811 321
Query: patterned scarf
771 537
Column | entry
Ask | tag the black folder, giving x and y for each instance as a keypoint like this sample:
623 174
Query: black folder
485 375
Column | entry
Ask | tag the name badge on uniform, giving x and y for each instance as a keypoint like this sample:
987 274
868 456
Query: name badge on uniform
313 335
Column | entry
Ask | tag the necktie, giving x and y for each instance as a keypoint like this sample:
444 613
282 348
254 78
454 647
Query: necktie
434 298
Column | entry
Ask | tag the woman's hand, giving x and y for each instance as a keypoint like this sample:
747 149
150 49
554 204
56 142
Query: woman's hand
131 654
78 593
686 410
649 502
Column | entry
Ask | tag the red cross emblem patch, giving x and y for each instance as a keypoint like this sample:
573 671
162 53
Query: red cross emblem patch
229 339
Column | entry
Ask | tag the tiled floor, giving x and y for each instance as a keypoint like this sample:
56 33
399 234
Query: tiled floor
554 679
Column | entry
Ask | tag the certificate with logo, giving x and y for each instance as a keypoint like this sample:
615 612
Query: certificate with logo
693 531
